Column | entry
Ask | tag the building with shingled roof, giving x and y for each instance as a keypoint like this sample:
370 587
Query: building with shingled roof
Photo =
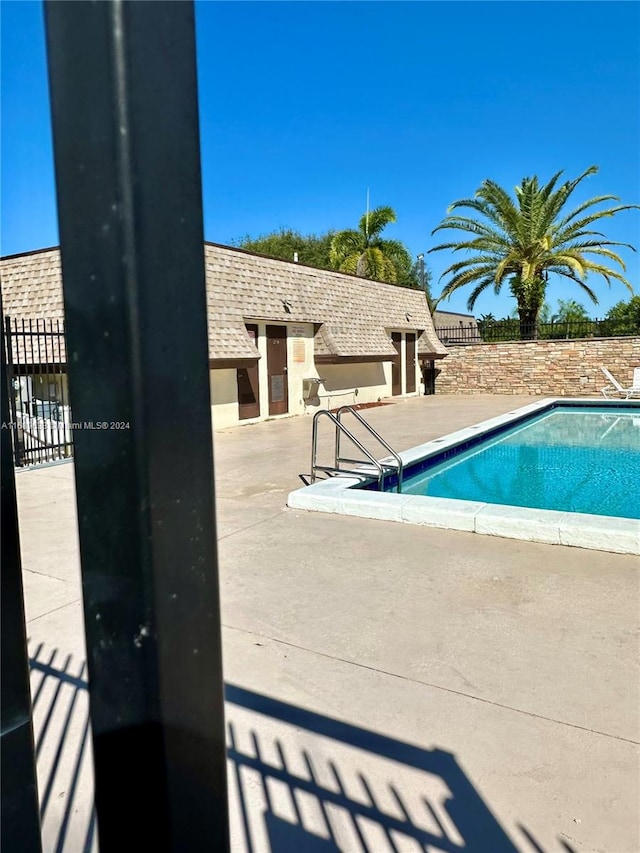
284 338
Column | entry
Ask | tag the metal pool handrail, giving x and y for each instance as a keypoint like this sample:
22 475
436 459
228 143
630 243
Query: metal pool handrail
375 434
381 467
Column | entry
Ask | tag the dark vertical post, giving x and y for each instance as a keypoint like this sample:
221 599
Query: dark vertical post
40 422
11 392
20 823
127 158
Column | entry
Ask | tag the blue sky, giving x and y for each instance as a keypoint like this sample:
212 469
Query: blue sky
305 105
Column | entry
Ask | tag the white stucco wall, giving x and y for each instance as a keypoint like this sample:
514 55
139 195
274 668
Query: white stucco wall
299 343
300 365
263 381
371 379
224 397
344 384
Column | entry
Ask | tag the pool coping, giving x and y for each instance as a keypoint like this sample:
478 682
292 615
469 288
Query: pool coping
597 532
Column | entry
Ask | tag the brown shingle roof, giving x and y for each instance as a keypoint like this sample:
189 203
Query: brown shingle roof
353 313
31 285
353 339
228 340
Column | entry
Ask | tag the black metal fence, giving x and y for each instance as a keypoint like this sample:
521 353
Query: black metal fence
40 416
492 331
123 94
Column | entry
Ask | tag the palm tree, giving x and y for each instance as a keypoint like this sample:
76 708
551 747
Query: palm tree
570 311
573 317
365 253
524 239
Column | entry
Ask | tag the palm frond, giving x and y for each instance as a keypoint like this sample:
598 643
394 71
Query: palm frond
463 223
558 199
505 212
344 244
578 235
350 263
600 250
466 277
372 263
488 244
546 191
571 260
505 267
565 273
593 217
396 251
468 262
372 224
599 199
607 273
478 289
586 244
482 206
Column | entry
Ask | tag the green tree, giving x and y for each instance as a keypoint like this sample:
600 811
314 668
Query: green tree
420 278
365 253
491 329
311 249
314 250
624 317
570 311
571 320
522 240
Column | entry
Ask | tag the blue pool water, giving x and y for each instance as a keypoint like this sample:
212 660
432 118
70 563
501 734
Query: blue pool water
583 459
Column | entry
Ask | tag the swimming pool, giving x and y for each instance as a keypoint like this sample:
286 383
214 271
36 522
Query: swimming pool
565 471
576 459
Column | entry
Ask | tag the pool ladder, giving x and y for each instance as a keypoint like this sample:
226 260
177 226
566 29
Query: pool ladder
383 468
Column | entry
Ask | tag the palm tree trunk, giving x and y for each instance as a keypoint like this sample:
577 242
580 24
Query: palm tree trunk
530 295
362 267
528 323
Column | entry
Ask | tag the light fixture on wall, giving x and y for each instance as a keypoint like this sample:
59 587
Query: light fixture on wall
408 316
286 305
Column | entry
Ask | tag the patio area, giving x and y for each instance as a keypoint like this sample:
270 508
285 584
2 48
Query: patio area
389 687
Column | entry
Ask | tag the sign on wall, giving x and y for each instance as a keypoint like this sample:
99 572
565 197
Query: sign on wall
298 333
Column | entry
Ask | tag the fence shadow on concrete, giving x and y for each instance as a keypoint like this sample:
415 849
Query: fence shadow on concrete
307 782
59 694
299 782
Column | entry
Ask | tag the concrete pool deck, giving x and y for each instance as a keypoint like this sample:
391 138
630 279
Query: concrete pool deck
408 682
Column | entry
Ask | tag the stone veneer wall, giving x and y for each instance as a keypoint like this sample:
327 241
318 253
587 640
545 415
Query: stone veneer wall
563 368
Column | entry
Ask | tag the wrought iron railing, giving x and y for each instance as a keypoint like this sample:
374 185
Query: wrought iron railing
491 331
40 416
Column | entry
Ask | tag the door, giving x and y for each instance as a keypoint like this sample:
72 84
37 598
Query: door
410 364
396 377
277 370
410 368
248 384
